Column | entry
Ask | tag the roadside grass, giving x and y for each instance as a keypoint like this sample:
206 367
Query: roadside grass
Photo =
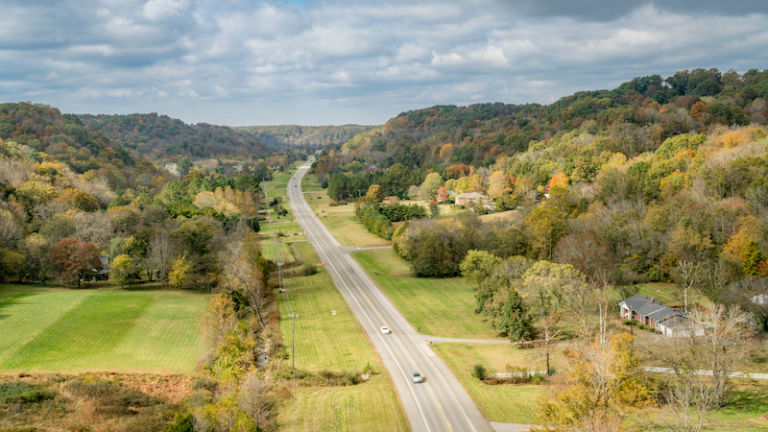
744 411
438 307
508 403
68 331
337 343
341 222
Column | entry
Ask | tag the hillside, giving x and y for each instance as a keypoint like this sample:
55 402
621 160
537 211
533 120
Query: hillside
653 174
633 118
62 136
303 136
162 137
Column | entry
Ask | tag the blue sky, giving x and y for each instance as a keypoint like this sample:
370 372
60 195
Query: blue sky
331 62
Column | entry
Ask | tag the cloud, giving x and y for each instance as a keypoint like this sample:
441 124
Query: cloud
235 62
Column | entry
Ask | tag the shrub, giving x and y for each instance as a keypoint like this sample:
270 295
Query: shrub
479 371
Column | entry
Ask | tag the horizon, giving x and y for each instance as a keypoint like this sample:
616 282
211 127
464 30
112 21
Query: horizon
314 63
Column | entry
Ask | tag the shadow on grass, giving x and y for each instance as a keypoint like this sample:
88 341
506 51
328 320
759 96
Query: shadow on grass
747 401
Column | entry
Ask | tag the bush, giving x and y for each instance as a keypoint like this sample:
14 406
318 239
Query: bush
375 222
308 270
479 371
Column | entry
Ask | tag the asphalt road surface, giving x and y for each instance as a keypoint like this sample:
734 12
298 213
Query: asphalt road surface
438 404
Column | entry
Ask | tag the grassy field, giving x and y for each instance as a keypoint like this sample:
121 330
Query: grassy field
337 343
440 307
64 330
504 402
339 219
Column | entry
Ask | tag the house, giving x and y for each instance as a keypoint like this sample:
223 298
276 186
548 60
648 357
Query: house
469 198
668 321
103 273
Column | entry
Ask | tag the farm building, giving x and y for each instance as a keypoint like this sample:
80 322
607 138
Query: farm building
470 199
668 321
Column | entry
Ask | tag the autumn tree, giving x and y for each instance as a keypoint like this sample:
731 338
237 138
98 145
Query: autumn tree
74 261
498 185
375 194
431 184
547 225
122 270
603 384
181 272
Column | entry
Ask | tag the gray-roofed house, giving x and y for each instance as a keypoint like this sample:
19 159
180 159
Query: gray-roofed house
668 321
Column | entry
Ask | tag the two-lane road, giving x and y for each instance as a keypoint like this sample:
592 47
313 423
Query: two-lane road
438 404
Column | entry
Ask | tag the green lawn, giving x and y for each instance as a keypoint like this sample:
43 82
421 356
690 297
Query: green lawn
509 403
64 330
439 307
337 343
339 219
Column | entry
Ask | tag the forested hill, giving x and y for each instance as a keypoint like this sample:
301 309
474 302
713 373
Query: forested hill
163 137
304 136
652 175
633 118
62 136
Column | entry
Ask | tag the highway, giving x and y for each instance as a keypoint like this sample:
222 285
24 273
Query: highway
438 404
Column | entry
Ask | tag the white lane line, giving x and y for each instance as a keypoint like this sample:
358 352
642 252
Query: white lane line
324 253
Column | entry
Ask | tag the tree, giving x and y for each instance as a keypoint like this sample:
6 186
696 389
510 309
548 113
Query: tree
375 194
75 260
478 265
243 272
547 225
159 259
122 270
558 180
591 256
543 293
180 275
516 322
442 195
79 200
602 384
724 340
498 185
431 184
686 275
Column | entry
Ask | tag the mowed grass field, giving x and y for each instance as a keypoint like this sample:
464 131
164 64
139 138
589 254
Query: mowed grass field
507 403
45 329
337 343
439 307
339 219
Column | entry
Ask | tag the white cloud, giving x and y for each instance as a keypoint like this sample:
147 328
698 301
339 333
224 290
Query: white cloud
239 62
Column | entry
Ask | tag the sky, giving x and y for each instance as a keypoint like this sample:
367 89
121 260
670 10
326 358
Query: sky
308 62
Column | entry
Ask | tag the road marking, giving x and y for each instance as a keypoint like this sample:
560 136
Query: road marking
324 254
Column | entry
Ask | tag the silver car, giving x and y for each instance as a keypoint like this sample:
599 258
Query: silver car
417 378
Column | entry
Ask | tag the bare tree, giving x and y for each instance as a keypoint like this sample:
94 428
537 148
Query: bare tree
242 272
255 400
686 275
690 399
94 227
724 343
591 256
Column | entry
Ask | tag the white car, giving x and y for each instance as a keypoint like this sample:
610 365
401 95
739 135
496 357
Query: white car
385 330
417 378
